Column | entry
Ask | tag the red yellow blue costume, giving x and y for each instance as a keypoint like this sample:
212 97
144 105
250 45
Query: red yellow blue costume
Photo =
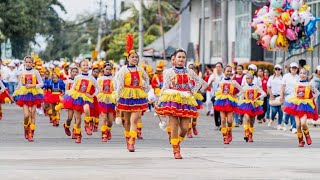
131 90
250 105
29 96
176 97
4 95
83 90
302 102
106 98
54 92
226 98
157 83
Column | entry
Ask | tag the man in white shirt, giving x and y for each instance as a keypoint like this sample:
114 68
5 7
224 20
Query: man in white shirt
214 81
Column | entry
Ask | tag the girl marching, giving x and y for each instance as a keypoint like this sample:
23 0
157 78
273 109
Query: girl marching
94 110
29 95
55 90
106 101
251 105
132 85
302 106
69 83
80 97
226 100
176 100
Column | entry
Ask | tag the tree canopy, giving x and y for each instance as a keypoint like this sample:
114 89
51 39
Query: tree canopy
21 21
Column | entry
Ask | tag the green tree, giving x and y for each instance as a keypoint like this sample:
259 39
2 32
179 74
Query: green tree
73 38
23 20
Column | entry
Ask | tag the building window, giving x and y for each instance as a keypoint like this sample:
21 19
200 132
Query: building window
243 30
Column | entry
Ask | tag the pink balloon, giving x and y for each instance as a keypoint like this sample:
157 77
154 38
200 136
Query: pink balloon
265 41
291 34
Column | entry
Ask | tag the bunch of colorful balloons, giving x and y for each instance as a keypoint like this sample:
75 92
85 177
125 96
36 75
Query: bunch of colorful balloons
284 25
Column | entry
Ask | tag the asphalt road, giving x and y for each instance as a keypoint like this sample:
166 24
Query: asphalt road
53 155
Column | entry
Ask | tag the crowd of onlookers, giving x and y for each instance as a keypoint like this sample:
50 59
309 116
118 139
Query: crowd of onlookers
279 83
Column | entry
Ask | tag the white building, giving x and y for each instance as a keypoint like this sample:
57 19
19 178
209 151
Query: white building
241 47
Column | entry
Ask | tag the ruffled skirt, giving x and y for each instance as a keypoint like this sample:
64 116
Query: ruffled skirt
28 96
132 100
177 103
225 103
107 103
75 100
251 108
300 107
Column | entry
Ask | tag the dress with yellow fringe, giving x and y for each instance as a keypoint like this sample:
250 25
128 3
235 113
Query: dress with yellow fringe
225 97
176 98
83 90
302 103
251 104
29 96
131 90
106 97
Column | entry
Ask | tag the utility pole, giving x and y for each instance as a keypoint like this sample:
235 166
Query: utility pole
224 46
161 31
115 9
202 46
140 31
100 28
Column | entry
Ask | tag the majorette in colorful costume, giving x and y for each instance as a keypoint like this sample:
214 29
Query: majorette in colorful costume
65 74
68 84
107 102
176 99
301 105
94 110
83 90
250 105
53 96
226 101
132 85
30 94
157 79
302 102
4 97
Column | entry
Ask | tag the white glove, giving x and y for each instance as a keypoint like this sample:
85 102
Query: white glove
118 121
151 96
163 125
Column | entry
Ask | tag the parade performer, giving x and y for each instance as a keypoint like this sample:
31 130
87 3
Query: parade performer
69 83
64 73
94 110
80 97
250 105
132 85
46 107
199 98
107 102
226 100
302 106
55 90
176 100
29 95
4 97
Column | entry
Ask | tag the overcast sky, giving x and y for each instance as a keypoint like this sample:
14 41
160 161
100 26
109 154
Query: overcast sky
75 7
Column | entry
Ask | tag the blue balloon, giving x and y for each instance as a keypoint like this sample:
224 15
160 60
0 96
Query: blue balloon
311 27
287 6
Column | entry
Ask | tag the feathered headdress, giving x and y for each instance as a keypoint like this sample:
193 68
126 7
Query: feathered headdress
160 65
307 68
129 45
